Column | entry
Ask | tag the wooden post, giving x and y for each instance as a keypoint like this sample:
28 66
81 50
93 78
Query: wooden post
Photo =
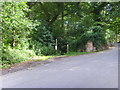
56 45
67 48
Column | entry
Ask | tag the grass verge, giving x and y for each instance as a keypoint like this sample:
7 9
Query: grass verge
43 58
76 53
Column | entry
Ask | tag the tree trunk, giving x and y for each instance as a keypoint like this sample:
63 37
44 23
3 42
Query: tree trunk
62 14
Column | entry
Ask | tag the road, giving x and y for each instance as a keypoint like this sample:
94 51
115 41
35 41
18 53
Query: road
95 70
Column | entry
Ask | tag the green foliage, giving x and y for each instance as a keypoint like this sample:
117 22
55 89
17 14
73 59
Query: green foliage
41 49
48 50
12 56
15 30
95 35
99 40
15 26
42 40
30 29
43 35
36 46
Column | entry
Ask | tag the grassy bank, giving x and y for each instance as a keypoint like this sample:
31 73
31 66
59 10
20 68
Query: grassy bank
43 58
34 59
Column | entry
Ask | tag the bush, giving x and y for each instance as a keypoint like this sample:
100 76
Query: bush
97 36
80 42
41 49
12 56
48 50
36 47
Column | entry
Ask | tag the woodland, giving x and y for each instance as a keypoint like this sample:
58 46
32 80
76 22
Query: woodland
30 29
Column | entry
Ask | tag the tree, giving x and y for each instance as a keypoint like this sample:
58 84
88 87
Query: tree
15 26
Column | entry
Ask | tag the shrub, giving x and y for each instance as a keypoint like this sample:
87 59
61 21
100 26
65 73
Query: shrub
12 56
36 47
97 36
41 49
48 50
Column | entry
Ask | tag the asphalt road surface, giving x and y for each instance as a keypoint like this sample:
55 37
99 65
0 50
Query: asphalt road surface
95 70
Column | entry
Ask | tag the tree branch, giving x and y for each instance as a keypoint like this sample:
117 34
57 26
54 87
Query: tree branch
46 12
